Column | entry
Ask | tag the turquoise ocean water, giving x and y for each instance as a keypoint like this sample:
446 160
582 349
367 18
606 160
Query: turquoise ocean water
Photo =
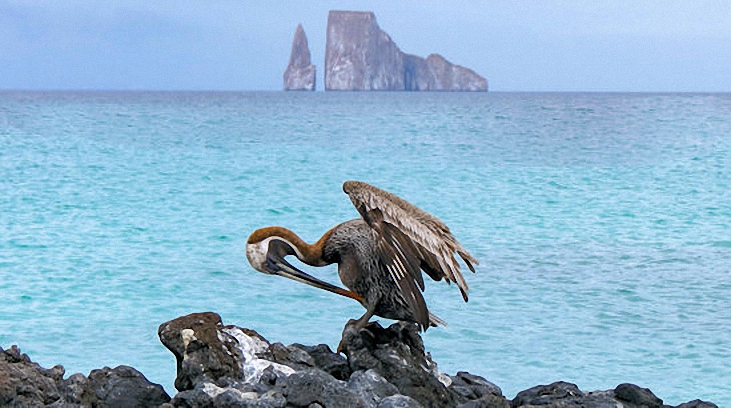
602 223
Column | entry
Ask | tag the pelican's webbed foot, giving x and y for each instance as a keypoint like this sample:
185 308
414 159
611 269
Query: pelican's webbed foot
353 327
353 331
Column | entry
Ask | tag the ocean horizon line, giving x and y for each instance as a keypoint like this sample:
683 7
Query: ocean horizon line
232 91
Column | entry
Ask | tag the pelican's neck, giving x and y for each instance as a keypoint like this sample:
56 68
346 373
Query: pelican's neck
310 254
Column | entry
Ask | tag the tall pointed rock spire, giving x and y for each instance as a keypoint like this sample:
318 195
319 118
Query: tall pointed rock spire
300 73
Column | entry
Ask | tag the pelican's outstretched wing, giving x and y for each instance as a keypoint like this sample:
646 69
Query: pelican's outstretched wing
412 240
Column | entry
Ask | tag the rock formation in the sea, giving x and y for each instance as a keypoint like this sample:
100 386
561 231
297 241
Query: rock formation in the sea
24 383
226 365
359 56
229 366
300 73
385 368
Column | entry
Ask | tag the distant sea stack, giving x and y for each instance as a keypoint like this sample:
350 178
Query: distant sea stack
300 73
359 56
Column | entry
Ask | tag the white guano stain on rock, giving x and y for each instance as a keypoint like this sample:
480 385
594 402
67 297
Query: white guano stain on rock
251 365
188 335
212 390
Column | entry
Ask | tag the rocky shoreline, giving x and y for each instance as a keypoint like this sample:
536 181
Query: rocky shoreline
228 366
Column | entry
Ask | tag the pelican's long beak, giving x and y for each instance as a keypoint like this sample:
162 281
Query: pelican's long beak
283 268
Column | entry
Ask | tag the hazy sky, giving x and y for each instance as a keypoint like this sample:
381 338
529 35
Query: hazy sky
549 45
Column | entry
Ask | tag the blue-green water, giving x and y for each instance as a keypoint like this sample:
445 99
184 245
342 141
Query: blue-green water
602 223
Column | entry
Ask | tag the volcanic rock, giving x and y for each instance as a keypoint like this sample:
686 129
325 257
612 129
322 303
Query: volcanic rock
332 363
385 368
397 353
229 366
637 395
124 386
207 352
24 383
300 73
359 56
398 401
371 386
566 395
697 404
315 386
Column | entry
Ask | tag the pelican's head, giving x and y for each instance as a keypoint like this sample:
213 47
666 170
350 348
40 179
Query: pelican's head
267 248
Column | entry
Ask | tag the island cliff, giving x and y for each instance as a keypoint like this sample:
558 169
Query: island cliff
228 366
359 56
300 73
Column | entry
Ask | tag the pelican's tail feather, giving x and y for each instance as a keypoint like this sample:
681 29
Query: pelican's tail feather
435 320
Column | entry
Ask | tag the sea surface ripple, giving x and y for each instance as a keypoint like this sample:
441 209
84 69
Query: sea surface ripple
602 223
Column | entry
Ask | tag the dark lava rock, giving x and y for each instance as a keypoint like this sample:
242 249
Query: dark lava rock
199 351
397 354
371 386
229 366
316 386
78 391
637 396
124 386
24 383
564 395
473 386
291 356
399 401
332 363
489 401
697 404
197 397
226 365
211 396
567 395
547 394
480 392
385 367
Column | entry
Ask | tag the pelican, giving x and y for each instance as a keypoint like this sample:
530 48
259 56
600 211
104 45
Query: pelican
380 256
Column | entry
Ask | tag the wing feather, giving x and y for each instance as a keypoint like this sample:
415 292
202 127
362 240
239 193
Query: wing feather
411 240
399 272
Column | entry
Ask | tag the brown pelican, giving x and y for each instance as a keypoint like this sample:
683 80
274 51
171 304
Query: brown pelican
380 256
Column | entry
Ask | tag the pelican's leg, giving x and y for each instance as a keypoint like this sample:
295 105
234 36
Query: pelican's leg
357 325
363 321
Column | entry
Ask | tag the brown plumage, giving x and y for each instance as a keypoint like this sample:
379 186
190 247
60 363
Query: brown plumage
380 256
